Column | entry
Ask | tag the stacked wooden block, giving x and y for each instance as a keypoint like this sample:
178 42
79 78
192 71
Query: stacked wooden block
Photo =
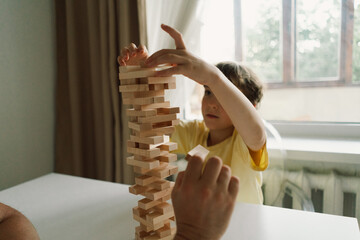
151 120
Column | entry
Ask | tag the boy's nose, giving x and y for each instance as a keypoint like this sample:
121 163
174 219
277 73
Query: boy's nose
213 105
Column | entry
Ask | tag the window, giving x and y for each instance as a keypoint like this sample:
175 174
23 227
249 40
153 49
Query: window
356 44
307 52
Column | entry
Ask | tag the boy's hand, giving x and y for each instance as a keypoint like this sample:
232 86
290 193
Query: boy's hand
203 202
183 62
132 55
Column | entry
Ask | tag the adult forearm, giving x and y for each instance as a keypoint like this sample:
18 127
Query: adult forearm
14 225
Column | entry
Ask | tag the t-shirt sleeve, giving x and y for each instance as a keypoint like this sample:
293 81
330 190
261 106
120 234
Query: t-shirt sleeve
181 136
260 159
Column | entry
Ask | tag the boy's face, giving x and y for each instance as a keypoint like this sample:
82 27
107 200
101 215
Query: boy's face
214 115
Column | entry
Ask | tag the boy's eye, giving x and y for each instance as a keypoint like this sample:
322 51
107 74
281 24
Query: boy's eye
207 92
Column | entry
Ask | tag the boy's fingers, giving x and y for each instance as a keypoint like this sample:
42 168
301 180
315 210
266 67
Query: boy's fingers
193 170
176 35
142 49
234 186
167 59
211 171
132 49
125 53
153 59
168 72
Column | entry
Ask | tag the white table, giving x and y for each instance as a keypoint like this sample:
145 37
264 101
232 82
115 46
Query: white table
67 207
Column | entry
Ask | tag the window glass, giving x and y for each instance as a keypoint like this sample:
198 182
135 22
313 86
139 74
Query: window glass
217 34
317 39
261 29
356 43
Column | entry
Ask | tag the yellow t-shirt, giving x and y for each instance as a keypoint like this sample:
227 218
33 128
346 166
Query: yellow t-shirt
244 164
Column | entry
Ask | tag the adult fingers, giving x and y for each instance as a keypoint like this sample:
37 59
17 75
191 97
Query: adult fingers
193 170
176 35
234 186
179 179
224 177
211 171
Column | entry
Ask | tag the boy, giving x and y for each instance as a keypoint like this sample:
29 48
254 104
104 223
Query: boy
232 129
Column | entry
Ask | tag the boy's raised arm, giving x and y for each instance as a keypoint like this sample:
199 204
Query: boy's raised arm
242 113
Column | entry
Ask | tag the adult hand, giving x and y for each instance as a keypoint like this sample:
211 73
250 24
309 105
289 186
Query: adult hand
204 202
183 61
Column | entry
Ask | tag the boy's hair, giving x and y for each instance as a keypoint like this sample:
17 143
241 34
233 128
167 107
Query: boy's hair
244 79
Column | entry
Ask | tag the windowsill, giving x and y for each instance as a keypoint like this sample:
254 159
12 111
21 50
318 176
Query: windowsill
320 150
315 145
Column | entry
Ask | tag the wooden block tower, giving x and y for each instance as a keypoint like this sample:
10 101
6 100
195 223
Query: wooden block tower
151 120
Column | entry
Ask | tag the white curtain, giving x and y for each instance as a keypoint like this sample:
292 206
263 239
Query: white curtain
185 16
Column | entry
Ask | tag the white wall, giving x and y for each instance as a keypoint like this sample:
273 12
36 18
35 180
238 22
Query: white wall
27 80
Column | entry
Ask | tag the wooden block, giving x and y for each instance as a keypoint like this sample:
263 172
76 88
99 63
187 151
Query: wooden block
150 227
132 144
173 169
152 153
145 180
169 146
156 93
166 157
147 164
124 69
198 150
159 131
166 231
140 73
142 233
134 88
166 124
157 80
166 198
157 118
141 212
153 105
130 81
162 167
140 127
147 140
155 194
155 237
169 110
147 226
143 101
147 203
160 185
163 208
170 85
161 171
141 113
155 217
137 189
146 146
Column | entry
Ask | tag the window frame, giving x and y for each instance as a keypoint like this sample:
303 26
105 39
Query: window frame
289 50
